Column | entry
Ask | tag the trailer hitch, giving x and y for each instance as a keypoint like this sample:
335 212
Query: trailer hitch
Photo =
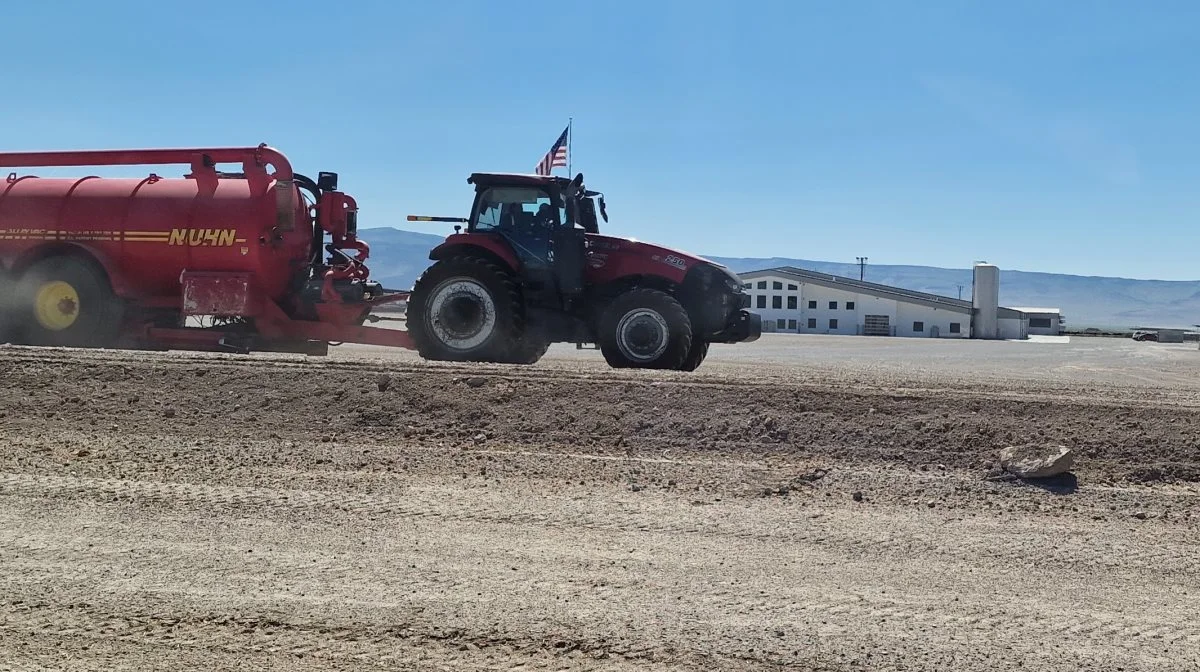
239 348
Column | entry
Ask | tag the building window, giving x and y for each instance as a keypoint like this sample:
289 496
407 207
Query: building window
781 324
776 285
777 302
792 303
833 305
833 324
747 286
792 288
762 284
849 305
955 328
792 325
812 323
812 305
918 327
1039 323
761 300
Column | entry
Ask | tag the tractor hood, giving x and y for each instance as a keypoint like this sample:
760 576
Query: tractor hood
681 261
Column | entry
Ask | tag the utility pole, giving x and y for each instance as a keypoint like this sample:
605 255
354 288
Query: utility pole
862 267
960 292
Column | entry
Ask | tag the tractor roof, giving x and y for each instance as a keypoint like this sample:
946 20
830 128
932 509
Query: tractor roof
515 179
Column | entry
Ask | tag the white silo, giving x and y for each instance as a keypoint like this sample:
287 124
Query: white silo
985 299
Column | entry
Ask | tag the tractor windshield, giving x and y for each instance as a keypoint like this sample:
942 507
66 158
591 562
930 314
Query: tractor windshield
516 207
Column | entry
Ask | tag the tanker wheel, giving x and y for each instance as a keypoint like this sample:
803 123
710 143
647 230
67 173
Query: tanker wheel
645 329
65 301
695 356
7 309
465 309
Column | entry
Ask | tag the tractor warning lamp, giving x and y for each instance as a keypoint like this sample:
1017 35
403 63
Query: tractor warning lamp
423 218
327 181
456 221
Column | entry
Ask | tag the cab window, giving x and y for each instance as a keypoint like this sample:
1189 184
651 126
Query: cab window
514 208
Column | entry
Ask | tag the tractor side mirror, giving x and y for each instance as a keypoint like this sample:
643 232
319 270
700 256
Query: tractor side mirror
603 210
586 215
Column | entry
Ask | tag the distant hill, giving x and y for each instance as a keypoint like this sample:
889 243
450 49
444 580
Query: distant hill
398 257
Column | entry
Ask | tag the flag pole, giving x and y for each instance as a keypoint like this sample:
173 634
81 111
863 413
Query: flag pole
570 154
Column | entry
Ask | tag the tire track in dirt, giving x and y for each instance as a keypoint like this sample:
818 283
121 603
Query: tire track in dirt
198 535
1148 396
316 644
1013 630
1022 621
1066 545
1115 442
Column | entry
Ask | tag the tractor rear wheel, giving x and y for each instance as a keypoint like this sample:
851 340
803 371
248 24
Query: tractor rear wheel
695 356
645 329
65 301
528 350
464 309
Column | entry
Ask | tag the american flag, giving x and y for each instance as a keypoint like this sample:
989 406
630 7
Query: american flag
556 157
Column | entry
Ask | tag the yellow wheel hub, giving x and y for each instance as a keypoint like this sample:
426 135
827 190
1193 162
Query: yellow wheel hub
56 305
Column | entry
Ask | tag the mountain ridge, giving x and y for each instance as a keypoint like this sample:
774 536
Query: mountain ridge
398 257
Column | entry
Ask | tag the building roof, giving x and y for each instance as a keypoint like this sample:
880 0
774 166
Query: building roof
1035 311
874 289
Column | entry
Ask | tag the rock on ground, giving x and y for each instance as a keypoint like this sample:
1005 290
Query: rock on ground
1037 460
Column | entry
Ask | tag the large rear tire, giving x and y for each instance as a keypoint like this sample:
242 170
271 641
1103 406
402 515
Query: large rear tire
465 309
645 329
695 356
528 351
66 301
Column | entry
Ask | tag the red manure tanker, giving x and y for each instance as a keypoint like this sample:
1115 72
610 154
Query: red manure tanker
264 258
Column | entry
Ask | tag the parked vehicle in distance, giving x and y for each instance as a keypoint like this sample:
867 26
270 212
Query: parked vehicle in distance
1144 335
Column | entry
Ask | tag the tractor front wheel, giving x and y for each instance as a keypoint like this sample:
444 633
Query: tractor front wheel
464 309
645 329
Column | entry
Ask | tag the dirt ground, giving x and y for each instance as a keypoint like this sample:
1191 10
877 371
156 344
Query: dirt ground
808 504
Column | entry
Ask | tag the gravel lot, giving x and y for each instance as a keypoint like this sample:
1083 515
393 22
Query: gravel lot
804 502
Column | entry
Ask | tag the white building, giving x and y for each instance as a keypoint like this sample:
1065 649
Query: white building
795 300
1044 321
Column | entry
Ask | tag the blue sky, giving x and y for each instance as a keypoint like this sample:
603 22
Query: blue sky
1043 136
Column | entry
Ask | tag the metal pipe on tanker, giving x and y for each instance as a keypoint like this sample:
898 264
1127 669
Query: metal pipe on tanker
261 155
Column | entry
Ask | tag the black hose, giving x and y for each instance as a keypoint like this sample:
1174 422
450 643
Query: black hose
318 239
306 182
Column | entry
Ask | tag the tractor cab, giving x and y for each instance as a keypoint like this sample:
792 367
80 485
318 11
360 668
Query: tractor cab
545 221
511 200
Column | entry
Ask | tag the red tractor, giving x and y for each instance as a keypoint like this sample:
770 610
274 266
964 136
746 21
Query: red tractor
533 269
